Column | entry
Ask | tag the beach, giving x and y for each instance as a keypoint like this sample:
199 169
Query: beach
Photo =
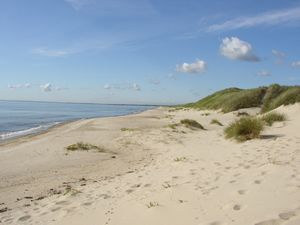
150 171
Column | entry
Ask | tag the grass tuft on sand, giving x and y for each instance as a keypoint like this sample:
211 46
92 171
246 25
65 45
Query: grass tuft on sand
217 122
272 117
192 124
81 146
127 129
244 129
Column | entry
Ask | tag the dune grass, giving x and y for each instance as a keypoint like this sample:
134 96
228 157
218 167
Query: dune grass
232 99
127 129
81 146
242 114
272 117
217 122
192 124
244 129
173 126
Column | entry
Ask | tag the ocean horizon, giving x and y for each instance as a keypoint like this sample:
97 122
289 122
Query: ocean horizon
20 118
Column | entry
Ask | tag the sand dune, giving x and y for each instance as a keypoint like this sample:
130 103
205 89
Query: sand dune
151 173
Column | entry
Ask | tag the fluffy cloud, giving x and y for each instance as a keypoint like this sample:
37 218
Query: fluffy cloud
296 64
264 73
196 67
234 48
46 87
283 16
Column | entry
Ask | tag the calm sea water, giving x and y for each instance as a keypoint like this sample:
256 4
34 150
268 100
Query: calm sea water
19 118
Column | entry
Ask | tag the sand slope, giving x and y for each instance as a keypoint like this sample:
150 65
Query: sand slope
160 175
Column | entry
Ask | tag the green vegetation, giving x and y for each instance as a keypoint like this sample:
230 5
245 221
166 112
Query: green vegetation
152 204
179 159
215 121
272 117
173 125
244 129
242 114
84 147
191 124
127 129
232 99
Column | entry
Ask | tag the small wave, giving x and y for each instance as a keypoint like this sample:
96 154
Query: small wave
33 130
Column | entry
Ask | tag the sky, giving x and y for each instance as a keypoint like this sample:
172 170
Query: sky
145 51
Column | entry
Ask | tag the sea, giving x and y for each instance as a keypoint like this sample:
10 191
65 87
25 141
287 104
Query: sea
20 118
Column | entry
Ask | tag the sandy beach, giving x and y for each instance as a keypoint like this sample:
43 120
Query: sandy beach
149 172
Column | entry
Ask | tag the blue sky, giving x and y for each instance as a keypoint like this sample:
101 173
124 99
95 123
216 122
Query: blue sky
144 51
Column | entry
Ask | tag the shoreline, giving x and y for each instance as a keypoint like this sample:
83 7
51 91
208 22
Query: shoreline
60 124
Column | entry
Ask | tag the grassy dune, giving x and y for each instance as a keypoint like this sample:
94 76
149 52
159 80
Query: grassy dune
232 99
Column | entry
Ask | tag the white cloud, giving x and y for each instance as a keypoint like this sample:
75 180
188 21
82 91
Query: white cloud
46 87
123 86
278 53
107 86
264 73
114 7
50 53
199 66
136 87
61 89
265 19
171 76
279 56
154 81
296 64
78 4
19 86
234 48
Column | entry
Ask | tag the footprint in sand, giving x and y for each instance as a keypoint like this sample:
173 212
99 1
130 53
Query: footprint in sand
24 218
242 192
270 222
287 215
237 207
257 181
216 223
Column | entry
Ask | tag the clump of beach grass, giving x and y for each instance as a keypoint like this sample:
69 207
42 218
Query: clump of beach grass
127 129
152 204
242 114
81 146
272 117
173 126
215 121
244 129
179 159
191 124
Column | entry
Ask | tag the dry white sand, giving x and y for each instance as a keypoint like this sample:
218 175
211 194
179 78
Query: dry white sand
153 174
